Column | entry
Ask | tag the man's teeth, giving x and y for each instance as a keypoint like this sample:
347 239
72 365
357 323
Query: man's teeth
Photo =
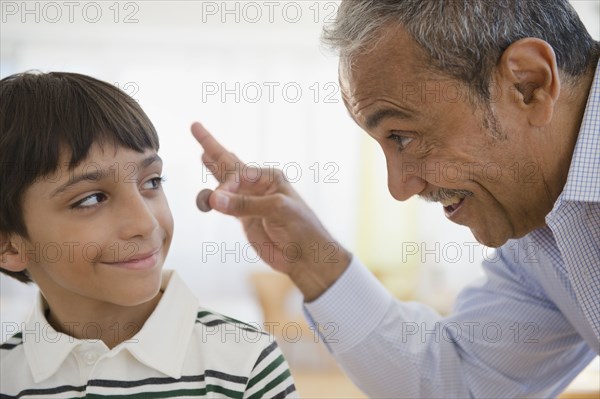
451 201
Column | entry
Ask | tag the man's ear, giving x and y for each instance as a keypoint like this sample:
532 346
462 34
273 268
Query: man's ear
12 256
528 70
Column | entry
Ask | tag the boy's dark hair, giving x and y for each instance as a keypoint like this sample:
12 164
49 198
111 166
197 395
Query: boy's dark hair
40 113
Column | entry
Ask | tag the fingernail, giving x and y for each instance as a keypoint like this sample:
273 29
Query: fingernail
253 174
221 199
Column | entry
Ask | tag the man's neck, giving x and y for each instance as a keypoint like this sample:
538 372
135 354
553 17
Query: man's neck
564 132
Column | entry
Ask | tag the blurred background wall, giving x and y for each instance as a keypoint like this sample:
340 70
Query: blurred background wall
254 73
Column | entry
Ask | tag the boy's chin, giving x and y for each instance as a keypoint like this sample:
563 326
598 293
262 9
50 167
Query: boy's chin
142 292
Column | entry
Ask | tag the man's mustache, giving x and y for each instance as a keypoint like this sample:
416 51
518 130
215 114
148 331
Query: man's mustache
446 193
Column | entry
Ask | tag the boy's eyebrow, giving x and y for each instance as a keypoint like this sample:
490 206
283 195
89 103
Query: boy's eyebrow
150 160
96 174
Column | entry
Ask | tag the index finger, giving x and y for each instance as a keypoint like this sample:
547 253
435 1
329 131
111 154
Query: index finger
226 160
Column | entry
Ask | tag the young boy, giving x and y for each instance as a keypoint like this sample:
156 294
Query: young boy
84 216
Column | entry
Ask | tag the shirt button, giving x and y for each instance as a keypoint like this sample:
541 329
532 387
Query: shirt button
91 358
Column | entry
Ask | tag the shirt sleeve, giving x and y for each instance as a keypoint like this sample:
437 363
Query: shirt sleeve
503 340
270 376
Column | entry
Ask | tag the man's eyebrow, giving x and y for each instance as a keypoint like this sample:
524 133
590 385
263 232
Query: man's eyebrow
99 174
374 120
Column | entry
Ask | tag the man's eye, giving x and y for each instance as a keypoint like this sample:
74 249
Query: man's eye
89 201
401 141
154 184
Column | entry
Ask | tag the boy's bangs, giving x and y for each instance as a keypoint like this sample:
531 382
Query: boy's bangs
74 112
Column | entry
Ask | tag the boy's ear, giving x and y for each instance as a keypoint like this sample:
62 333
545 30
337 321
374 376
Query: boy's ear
12 257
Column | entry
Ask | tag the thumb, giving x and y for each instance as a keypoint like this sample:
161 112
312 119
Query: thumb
248 205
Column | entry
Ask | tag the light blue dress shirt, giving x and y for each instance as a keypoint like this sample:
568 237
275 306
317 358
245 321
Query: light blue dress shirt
526 330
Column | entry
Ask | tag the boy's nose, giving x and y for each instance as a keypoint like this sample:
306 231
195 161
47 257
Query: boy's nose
137 218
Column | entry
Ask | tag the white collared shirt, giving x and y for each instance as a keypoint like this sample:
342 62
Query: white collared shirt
181 351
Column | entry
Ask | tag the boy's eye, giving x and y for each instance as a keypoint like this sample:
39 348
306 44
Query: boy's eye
154 184
401 141
97 198
89 201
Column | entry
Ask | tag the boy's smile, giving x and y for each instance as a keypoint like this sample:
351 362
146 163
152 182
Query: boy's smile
138 262
99 233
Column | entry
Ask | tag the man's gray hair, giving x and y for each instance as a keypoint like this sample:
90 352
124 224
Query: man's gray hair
464 39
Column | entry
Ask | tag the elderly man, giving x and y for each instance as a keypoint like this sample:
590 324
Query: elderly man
533 111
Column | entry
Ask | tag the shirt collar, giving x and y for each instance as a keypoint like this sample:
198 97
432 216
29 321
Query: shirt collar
583 181
161 343
163 340
45 348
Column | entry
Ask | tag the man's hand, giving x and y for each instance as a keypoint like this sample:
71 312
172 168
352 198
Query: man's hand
288 235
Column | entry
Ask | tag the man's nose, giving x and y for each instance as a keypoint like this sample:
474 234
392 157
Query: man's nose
404 179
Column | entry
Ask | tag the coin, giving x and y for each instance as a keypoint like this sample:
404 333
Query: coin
202 200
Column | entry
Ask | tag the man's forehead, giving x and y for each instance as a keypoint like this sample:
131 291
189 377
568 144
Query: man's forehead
358 82
366 94
385 70
343 78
